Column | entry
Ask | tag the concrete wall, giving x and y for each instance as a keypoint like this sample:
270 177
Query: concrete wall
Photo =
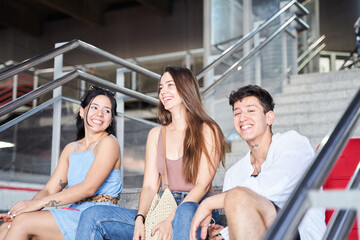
337 19
133 32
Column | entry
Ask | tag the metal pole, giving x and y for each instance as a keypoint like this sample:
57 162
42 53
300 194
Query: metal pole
38 59
56 130
249 35
120 124
15 86
35 86
242 60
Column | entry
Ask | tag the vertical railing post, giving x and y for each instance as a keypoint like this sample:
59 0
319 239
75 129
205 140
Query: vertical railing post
257 60
294 47
82 87
207 39
247 27
209 76
120 80
56 130
35 86
15 86
188 60
284 59
133 81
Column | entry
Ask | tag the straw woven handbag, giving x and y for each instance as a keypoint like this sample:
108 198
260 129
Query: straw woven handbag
161 207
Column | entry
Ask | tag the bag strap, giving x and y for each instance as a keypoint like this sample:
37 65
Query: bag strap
164 153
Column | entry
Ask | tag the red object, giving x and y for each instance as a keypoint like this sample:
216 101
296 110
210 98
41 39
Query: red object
341 174
73 209
20 189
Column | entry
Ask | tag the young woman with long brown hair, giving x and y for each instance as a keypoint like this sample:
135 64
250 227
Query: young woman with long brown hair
195 146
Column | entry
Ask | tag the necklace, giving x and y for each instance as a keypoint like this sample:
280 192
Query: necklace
253 163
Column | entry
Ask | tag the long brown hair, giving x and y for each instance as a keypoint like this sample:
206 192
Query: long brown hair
194 142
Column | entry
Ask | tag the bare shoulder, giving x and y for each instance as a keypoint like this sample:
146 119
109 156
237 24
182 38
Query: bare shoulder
66 152
109 142
208 130
68 149
154 132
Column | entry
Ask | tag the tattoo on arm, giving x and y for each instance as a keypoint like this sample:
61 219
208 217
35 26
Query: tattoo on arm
52 203
62 184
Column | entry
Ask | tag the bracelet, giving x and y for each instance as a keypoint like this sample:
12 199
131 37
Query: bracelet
140 215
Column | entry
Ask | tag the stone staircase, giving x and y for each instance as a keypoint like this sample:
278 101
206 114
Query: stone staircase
311 104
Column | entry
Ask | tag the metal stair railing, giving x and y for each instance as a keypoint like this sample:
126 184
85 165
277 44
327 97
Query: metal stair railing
314 49
351 57
252 52
342 220
71 45
252 33
285 225
7 108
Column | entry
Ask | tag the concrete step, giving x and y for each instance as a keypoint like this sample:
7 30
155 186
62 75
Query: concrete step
287 98
308 130
318 87
324 77
315 132
231 159
306 107
308 118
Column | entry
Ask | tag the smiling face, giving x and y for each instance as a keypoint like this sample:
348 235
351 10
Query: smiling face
97 114
250 121
168 94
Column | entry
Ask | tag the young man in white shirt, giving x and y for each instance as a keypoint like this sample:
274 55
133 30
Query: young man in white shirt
257 186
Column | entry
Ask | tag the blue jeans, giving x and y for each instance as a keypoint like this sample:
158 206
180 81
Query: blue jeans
184 215
108 222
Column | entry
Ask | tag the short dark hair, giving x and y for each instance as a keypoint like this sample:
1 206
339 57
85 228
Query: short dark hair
86 100
261 94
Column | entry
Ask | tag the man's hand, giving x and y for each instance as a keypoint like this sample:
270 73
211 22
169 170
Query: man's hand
201 219
214 232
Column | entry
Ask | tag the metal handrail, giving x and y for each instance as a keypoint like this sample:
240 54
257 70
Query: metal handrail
249 35
311 57
7 108
7 73
51 102
285 225
311 47
342 220
28 114
250 54
349 57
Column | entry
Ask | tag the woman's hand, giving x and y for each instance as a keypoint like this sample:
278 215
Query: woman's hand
5 217
139 230
164 228
214 232
25 206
